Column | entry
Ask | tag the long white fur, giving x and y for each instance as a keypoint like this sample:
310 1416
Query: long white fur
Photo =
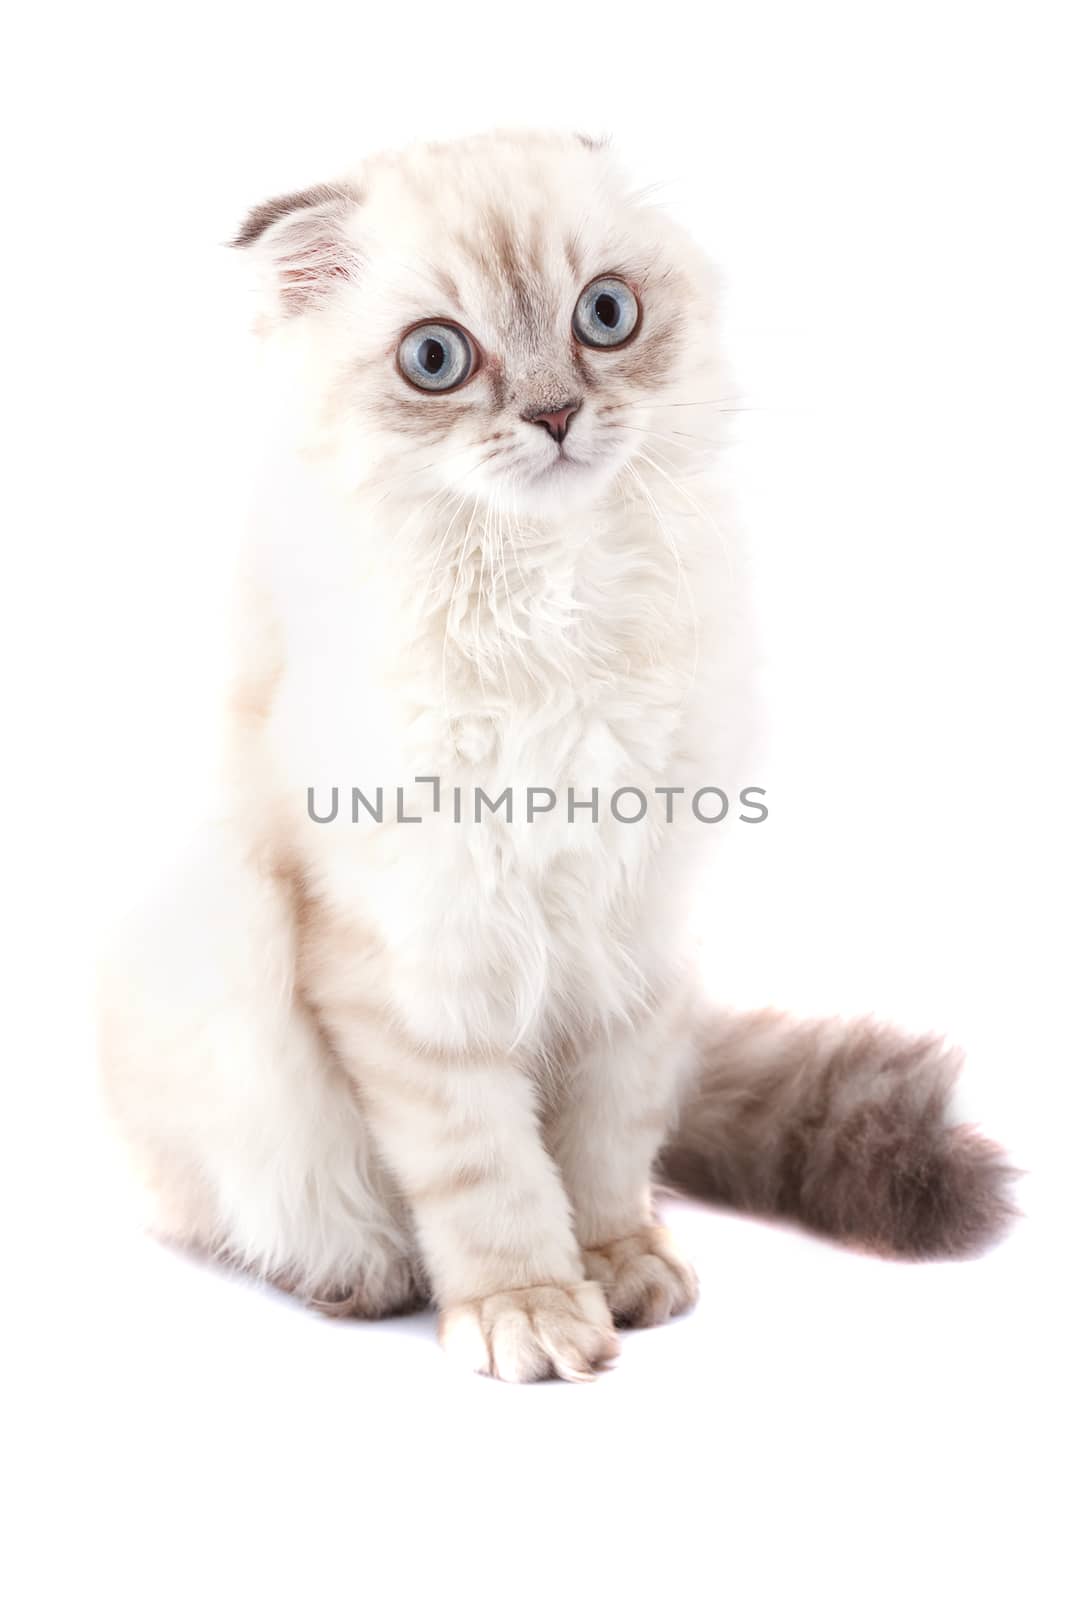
366 1059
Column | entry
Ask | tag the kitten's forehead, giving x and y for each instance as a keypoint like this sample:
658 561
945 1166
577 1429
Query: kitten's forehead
506 222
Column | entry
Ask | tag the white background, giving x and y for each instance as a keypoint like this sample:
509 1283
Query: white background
883 187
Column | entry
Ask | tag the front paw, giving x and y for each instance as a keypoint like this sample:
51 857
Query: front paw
521 1335
644 1280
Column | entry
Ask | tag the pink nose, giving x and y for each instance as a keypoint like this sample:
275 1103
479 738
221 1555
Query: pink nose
557 422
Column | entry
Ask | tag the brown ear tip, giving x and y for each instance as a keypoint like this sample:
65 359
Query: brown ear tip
245 236
259 220
263 216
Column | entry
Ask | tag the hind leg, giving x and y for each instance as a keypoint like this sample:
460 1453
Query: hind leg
247 1138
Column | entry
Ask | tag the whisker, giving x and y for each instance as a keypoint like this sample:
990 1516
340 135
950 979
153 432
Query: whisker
702 511
672 545
448 632
672 433
683 405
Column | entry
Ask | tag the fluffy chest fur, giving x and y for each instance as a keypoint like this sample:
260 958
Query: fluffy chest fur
526 672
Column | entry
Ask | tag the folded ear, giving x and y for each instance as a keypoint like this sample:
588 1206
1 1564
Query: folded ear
304 243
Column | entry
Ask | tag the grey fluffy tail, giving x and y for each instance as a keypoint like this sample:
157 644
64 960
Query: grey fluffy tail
844 1127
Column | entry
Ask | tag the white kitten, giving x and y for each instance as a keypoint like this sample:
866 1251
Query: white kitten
380 1060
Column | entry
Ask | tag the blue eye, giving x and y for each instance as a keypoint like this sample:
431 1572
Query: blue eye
607 313
435 356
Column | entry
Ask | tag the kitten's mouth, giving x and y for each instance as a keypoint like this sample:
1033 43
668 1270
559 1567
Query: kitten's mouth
561 462
565 466
565 471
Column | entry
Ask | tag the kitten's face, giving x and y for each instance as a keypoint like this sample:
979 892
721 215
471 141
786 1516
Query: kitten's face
498 318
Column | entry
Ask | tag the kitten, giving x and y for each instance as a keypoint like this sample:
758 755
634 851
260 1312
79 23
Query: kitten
440 1053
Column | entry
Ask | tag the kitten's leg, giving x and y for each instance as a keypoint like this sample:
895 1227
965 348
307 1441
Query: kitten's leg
462 1137
605 1135
246 1138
